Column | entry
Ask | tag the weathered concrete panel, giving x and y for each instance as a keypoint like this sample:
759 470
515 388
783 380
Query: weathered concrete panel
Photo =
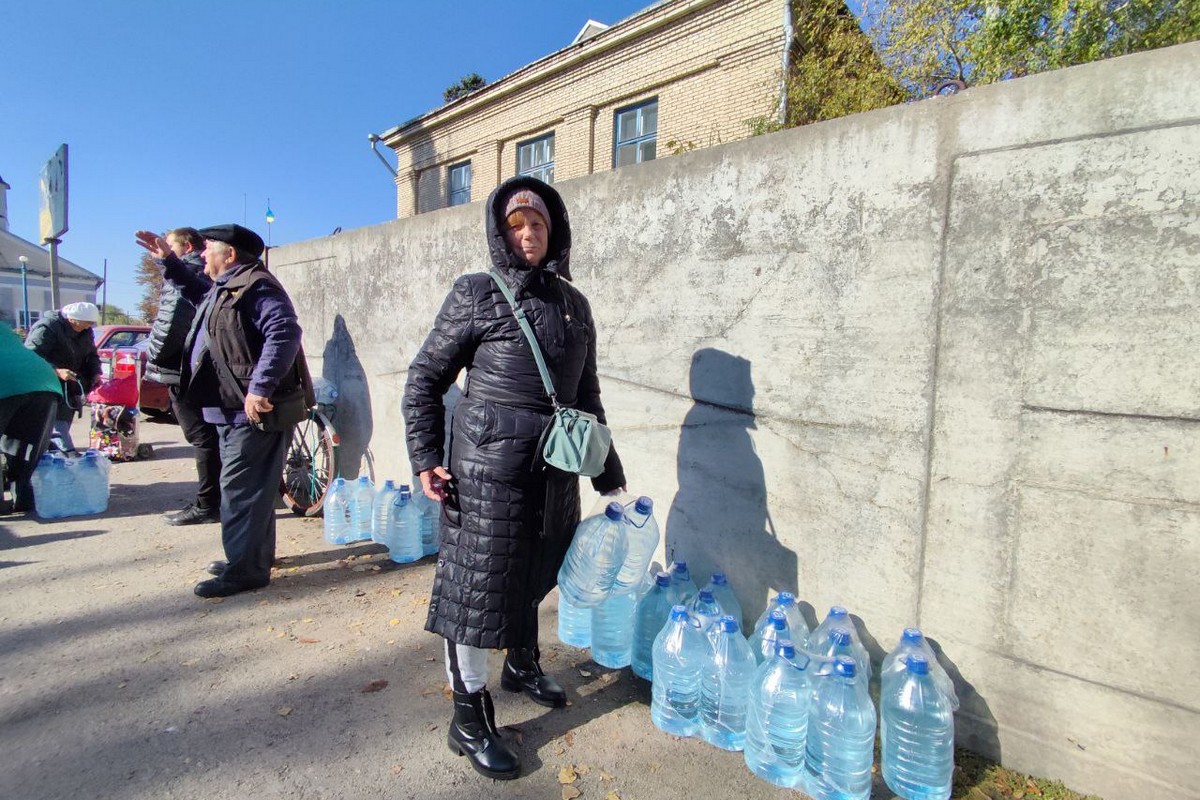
935 363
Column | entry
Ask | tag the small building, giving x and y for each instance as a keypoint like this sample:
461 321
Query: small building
676 76
75 284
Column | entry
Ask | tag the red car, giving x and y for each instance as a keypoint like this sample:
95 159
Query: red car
155 398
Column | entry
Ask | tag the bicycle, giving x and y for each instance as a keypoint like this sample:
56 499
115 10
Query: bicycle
312 461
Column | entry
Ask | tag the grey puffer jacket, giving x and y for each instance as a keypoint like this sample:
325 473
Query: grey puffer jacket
509 518
171 325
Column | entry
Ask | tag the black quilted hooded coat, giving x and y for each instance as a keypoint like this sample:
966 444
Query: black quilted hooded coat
509 517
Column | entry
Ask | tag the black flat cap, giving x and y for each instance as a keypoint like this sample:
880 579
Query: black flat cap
245 241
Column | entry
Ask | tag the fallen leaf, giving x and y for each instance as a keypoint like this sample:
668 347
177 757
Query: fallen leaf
447 692
559 749
567 775
283 711
216 600
612 796
307 619
397 592
280 635
569 737
374 686
604 776
570 793
307 640
393 621
582 769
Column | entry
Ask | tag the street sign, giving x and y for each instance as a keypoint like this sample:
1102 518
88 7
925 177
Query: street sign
52 216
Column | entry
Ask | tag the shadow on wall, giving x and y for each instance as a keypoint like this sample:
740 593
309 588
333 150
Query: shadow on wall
719 518
353 420
975 727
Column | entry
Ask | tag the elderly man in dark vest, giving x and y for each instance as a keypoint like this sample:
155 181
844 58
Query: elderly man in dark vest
244 368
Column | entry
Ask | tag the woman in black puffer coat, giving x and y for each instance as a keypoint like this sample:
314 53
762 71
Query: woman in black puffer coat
508 518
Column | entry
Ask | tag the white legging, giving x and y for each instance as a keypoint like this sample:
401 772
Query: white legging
466 667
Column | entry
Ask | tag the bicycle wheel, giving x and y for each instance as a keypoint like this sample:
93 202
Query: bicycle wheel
308 467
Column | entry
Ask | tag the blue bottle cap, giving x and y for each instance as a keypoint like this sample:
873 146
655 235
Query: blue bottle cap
706 596
614 512
916 664
838 611
679 566
679 613
662 579
363 479
644 506
785 648
339 482
912 635
840 636
389 484
728 624
718 579
777 619
785 599
402 497
845 667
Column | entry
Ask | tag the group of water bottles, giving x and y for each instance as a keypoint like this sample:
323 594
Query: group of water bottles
405 522
69 487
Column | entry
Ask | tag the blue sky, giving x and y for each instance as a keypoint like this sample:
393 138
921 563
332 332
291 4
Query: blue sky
187 113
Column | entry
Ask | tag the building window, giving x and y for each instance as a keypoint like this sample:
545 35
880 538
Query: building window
535 158
460 184
635 133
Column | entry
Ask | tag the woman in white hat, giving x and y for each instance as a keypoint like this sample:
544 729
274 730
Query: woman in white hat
64 338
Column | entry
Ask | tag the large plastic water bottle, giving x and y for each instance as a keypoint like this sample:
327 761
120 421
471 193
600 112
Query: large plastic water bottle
839 617
777 717
705 611
574 623
841 736
48 486
681 579
402 533
651 614
918 734
430 513
725 687
680 653
363 495
593 559
379 510
725 596
612 629
913 642
92 478
797 627
641 539
764 640
338 523
838 644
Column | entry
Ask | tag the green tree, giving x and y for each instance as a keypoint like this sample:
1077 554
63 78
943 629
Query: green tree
115 315
149 277
470 83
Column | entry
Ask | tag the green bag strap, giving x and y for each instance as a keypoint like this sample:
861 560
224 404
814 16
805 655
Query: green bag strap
527 329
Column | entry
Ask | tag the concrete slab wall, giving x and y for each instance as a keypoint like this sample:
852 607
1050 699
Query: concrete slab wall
934 363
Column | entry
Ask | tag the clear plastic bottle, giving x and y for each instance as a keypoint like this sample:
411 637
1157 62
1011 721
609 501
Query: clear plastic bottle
430 512
725 687
725 596
403 534
840 643
839 617
337 513
379 510
363 495
797 627
47 484
705 611
612 630
918 734
574 623
651 614
681 579
841 736
764 640
641 539
777 717
680 653
913 642
593 559
93 483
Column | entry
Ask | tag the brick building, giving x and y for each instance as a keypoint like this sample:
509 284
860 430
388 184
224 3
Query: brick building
675 76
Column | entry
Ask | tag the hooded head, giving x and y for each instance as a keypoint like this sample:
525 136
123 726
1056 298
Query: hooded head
526 197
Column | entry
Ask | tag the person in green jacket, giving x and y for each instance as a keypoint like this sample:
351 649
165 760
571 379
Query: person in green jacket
29 397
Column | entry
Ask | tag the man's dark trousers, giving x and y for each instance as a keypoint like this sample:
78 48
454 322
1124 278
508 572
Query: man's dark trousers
251 463
203 437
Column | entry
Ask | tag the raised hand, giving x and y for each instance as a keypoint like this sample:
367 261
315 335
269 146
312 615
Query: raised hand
157 245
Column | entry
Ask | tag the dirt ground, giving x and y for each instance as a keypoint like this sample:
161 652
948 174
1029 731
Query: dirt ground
116 681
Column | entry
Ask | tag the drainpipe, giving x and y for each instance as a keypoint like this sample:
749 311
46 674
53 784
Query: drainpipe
374 139
789 33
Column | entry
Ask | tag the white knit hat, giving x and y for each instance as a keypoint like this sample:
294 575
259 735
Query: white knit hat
81 312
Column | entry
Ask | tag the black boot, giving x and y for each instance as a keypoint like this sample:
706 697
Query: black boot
473 734
522 672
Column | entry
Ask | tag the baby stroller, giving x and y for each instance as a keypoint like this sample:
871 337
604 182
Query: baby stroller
115 399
